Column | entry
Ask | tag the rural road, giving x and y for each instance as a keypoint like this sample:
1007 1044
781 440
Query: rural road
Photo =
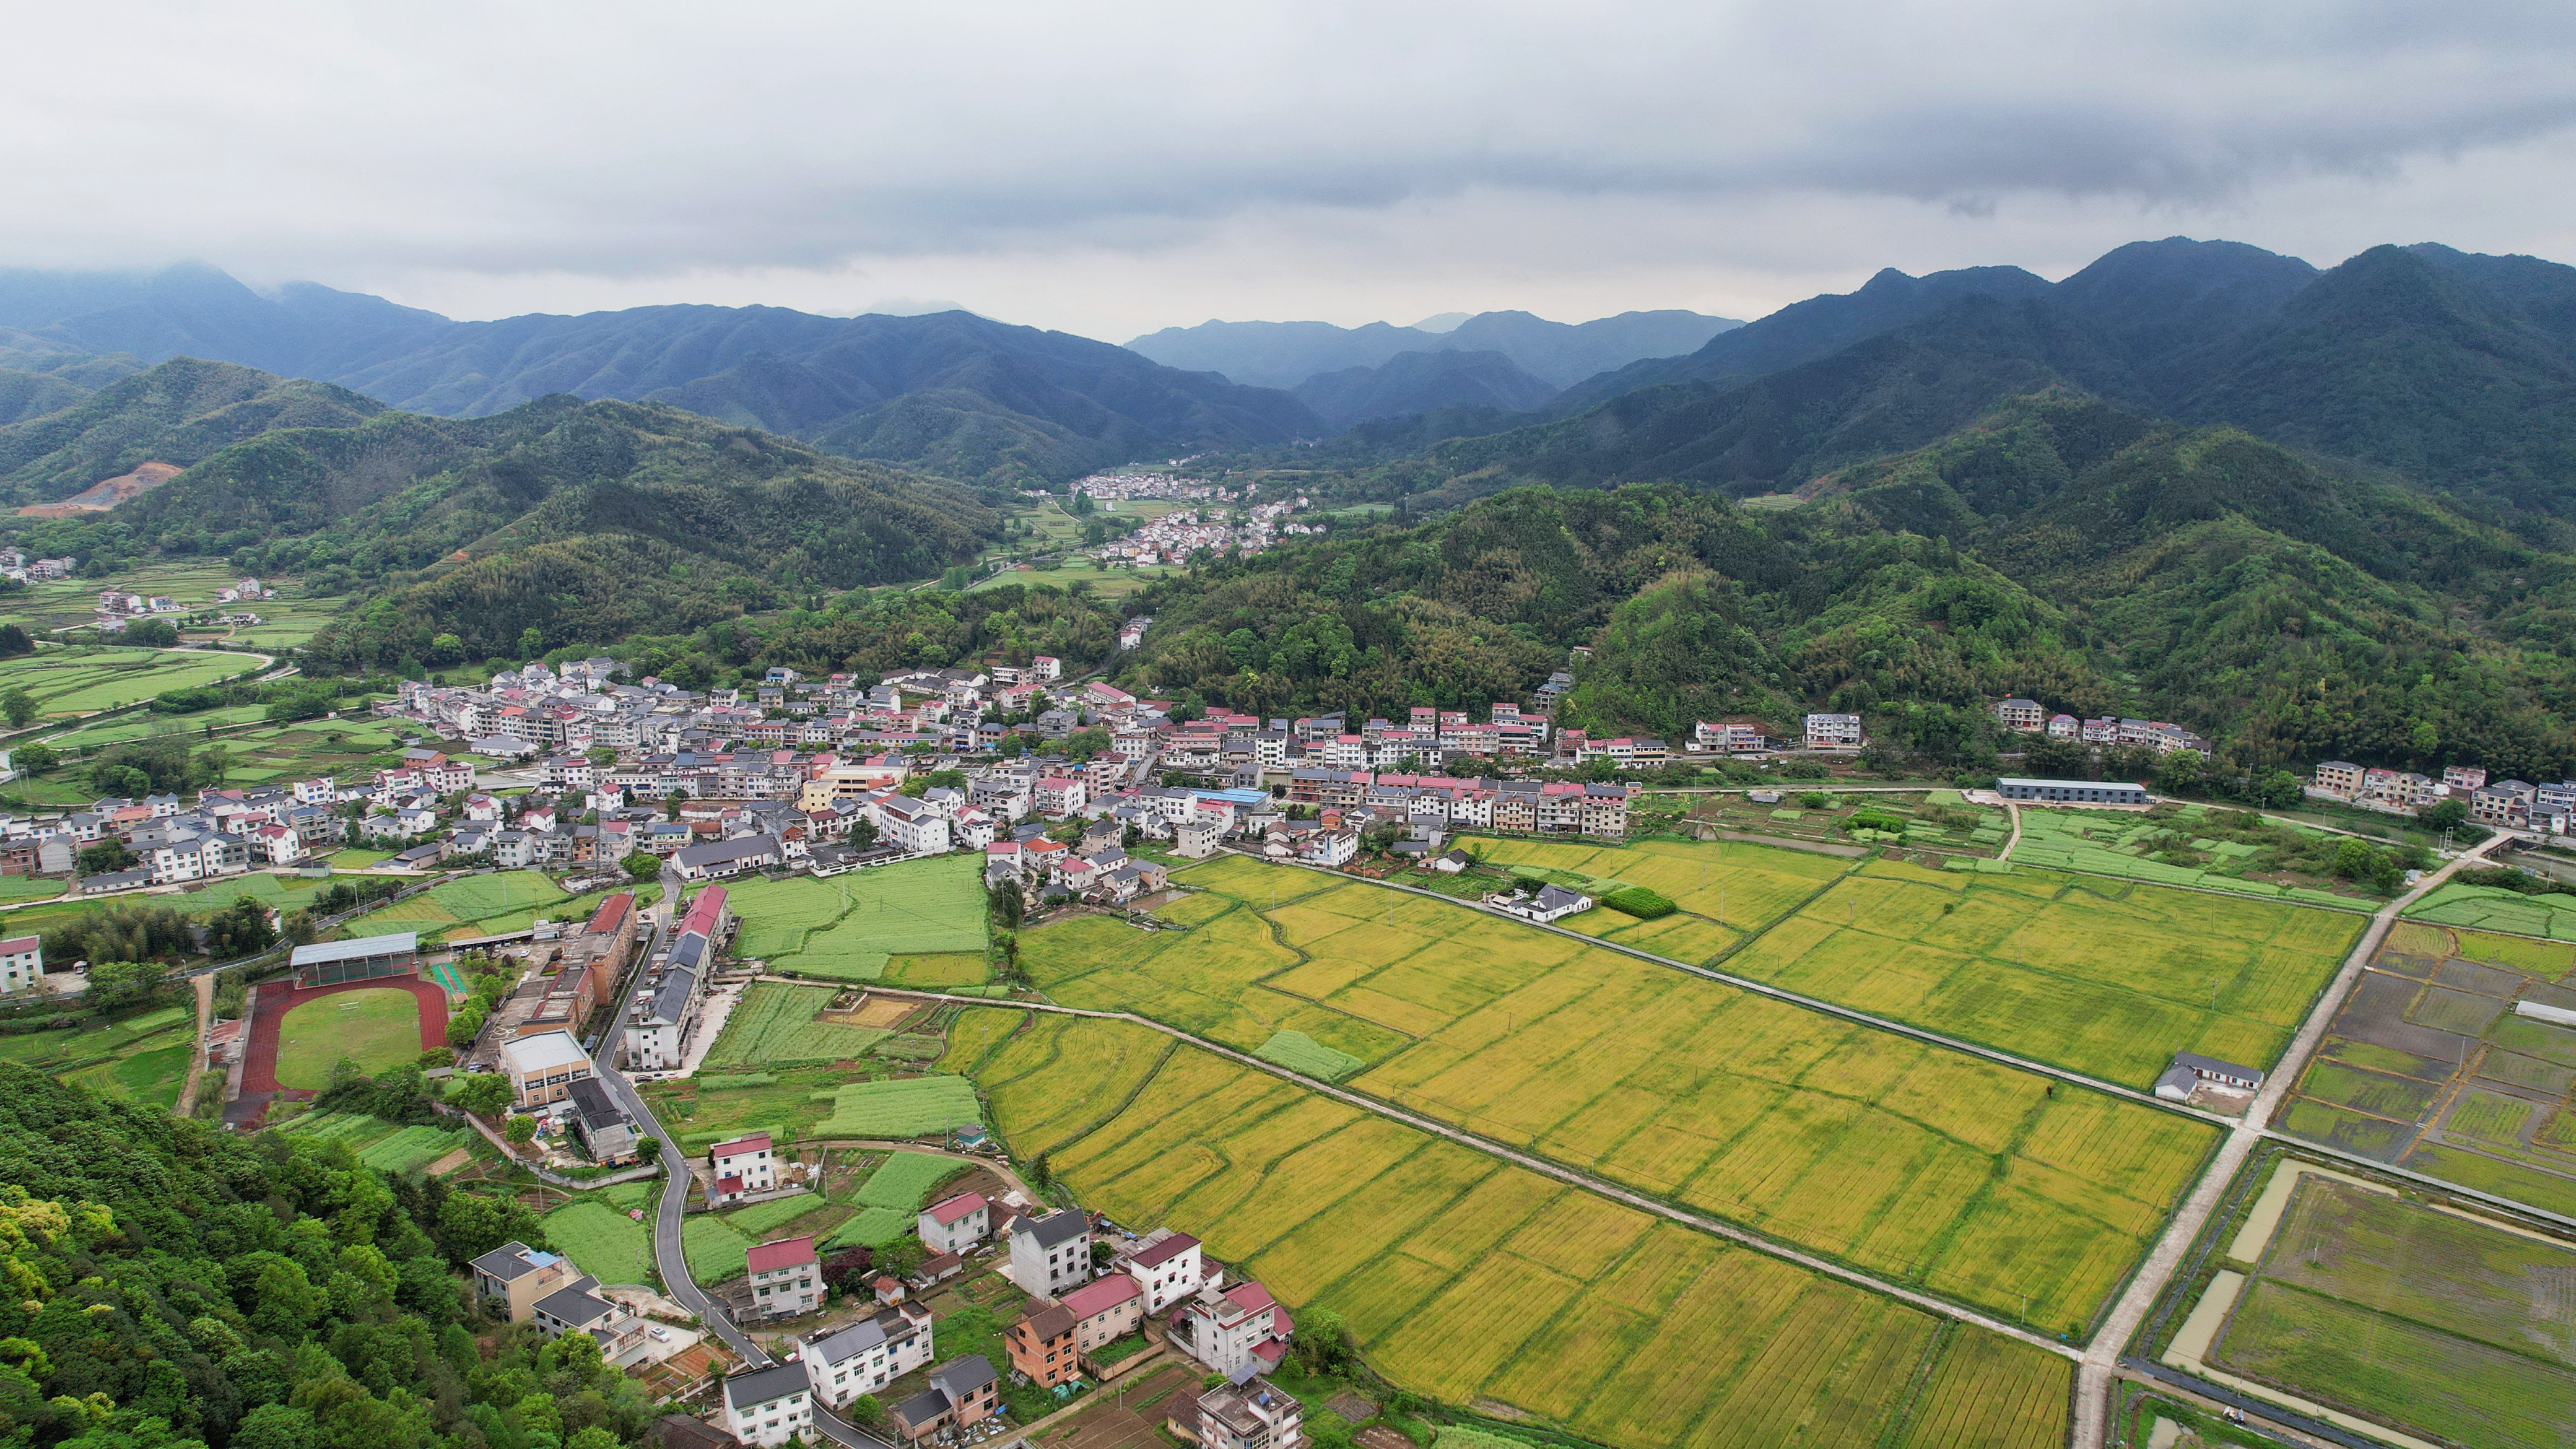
670 1253
2101 1362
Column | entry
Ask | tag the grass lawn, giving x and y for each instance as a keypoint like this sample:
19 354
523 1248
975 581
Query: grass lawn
374 1028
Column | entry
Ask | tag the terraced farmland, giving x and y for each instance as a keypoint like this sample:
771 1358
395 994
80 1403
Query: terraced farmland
1975 1181
1477 1282
2101 977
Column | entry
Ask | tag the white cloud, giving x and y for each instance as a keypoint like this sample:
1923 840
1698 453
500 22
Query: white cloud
1110 171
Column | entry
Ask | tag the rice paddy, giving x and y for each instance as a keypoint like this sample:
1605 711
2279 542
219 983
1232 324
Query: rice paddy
849 927
2101 977
1476 1282
2495 909
774 1025
1978 1182
82 679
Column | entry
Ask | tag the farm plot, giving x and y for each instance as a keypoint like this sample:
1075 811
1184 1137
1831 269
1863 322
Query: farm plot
1723 889
1968 1179
2187 845
413 1148
604 1242
920 1107
143 1056
715 1251
846 928
2097 977
2494 908
764 1220
1058 1076
2426 1065
1476 1282
774 1026
79 680
903 1182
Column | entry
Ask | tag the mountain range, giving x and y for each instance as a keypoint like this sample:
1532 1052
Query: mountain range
2457 370
952 392
1286 354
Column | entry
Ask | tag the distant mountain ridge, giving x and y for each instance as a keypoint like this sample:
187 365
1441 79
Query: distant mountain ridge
1413 383
2458 370
967 396
1286 354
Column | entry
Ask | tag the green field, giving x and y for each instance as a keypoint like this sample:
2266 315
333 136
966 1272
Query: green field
2169 846
1473 1281
773 1025
142 1056
904 1181
762 1220
602 1241
714 1250
1963 1178
2100 977
84 678
872 1227
374 1028
284 621
1723 890
915 1108
942 971
477 905
378 1143
847 927
2494 908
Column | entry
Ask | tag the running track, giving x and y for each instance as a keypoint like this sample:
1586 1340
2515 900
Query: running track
259 1066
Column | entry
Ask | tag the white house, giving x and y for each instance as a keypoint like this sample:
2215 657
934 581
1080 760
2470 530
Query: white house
1833 732
742 1166
786 1277
1233 1329
954 1224
1552 903
22 965
869 1354
769 1406
1167 1267
1052 1253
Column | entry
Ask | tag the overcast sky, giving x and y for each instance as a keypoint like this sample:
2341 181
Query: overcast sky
1113 169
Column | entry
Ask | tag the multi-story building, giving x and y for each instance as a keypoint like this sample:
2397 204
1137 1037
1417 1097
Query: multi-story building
2339 777
1232 1329
769 1406
1167 1267
22 965
542 1068
2024 715
2461 779
743 1166
1833 732
786 1277
2504 803
518 1277
869 1354
1050 1254
962 1392
1254 1414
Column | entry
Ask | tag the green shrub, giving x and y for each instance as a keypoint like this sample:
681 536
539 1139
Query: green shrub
1640 902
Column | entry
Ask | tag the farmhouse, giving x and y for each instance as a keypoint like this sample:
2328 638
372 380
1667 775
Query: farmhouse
1232 1330
742 1166
2190 1069
1166 1265
954 1224
768 1406
2073 792
604 1129
869 1354
965 1391
517 1276
22 964
786 1277
1833 732
2024 715
728 857
1052 1253
1255 1414
1552 903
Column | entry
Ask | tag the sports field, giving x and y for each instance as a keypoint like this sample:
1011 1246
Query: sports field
79 680
847 927
774 1026
1473 1281
2107 978
2428 1065
375 1029
1971 1180
2446 1327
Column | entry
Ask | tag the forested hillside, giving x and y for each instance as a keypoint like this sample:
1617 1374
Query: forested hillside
173 1286
556 523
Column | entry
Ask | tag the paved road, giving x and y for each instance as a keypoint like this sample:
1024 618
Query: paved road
2102 1361
670 1253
